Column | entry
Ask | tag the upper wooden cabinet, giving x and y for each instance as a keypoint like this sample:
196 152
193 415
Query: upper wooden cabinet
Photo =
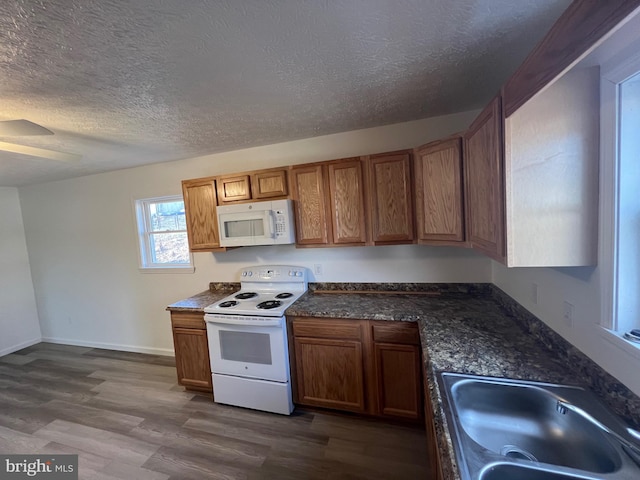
330 203
439 198
233 188
354 201
347 202
309 190
269 184
200 209
484 182
391 198
259 185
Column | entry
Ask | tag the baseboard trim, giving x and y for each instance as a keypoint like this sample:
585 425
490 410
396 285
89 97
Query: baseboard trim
20 346
167 352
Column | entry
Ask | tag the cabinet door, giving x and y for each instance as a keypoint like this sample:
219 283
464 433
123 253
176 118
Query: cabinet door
484 182
192 358
330 373
391 198
398 378
233 188
439 204
346 197
270 184
200 207
309 194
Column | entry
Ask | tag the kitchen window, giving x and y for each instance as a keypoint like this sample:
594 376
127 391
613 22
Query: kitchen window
620 198
162 235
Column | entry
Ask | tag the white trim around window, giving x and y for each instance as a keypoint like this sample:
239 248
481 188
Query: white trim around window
614 71
156 230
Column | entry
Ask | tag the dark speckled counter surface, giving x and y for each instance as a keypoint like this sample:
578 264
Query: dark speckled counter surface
464 328
472 329
197 303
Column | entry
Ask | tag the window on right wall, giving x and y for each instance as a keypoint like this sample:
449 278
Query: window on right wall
620 198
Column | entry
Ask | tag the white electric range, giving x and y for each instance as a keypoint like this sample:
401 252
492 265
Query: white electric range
247 335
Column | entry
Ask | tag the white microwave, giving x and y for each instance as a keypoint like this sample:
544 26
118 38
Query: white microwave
256 223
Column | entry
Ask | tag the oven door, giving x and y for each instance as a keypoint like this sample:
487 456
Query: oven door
248 347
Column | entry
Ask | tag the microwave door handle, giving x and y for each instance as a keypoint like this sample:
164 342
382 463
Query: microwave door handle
272 224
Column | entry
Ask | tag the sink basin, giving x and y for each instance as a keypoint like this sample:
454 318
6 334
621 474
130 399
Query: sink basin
510 429
521 421
510 471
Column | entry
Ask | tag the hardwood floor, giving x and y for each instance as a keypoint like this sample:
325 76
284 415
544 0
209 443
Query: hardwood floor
126 417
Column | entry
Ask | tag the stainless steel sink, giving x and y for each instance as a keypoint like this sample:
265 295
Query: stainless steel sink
510 471
504 429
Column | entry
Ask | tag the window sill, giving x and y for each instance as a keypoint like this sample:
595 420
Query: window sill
167 269
619 341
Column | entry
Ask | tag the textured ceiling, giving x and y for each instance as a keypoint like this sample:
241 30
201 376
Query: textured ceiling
126 83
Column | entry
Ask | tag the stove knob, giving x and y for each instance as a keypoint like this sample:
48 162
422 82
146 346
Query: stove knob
251 274
244 274
291 273
298 274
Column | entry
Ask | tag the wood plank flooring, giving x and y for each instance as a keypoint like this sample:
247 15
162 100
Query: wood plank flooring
126 417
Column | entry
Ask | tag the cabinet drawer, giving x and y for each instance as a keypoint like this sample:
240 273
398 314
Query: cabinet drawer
348 329
405 333
188 320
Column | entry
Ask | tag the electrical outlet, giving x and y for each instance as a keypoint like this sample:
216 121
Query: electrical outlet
317 269
568 314
534 293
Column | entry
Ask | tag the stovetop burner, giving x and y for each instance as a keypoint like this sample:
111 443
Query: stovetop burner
266 291
269 304
246 295
228 303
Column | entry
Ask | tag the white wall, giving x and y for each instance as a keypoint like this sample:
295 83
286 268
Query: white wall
19 325
82 241
581 288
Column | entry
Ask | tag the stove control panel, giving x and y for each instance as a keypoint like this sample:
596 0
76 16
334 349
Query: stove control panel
274 273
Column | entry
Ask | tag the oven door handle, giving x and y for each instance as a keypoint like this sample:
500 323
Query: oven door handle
276 322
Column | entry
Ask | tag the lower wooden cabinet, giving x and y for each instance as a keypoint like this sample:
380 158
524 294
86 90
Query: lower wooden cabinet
398 369
358 366
330 373
397 376
192 351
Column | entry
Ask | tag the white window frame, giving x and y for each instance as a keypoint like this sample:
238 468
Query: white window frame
144 232
614 72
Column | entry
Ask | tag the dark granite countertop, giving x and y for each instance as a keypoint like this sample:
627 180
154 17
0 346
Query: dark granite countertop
371 306
407 302
197 303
